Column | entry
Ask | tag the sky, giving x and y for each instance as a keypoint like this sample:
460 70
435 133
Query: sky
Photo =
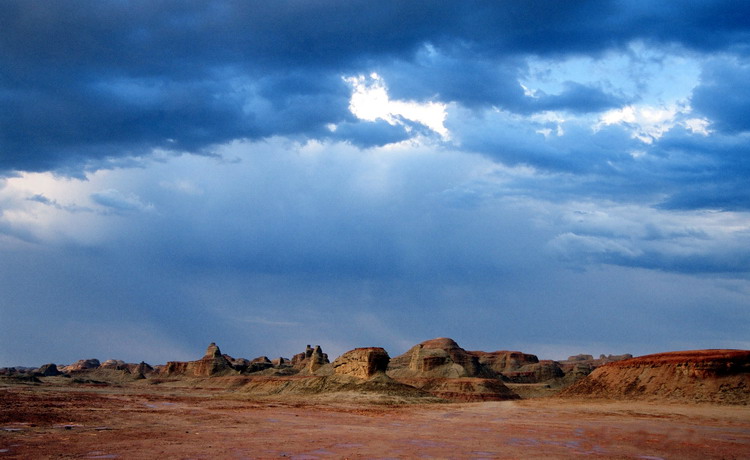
551 177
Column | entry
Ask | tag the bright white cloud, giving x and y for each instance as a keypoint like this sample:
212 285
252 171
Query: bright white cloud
646 123
370 101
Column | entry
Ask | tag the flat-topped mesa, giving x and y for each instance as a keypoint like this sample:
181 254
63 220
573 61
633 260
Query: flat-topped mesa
699 375
441 358
362 363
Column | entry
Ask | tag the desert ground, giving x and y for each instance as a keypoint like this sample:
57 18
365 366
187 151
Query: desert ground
58 421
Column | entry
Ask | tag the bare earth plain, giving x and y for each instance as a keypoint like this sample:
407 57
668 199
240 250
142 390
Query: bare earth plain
63 421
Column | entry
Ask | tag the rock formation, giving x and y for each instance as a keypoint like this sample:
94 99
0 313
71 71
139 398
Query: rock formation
445 370
48 370
82 365
362 363
439 358
258 364
543 371
280 362
212 363
504 361
114 364
141 370
699 376
310 361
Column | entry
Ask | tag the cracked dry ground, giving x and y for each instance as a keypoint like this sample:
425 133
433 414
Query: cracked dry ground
111 422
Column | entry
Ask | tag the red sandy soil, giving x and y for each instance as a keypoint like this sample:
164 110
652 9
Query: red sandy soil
143 423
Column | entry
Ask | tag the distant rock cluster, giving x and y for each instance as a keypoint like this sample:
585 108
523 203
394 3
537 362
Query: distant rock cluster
437 368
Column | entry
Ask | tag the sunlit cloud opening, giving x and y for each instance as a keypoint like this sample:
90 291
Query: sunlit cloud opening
646 123
370 102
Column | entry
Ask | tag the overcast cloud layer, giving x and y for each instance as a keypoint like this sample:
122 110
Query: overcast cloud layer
554 177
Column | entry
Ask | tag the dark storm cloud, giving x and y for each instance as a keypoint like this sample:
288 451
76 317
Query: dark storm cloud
724 95
370 134
515 141
704 172
84 82
576 98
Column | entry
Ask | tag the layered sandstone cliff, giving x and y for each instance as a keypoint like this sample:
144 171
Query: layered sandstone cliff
696 376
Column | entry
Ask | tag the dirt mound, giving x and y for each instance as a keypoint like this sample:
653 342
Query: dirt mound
335 387
721 376
464 389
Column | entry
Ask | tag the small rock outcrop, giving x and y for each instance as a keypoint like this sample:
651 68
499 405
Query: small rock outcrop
48 370
311 360
82 365
141 370
115 364
258 364
362 363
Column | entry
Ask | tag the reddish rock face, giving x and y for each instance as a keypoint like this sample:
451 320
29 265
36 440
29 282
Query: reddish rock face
700 375
362 363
